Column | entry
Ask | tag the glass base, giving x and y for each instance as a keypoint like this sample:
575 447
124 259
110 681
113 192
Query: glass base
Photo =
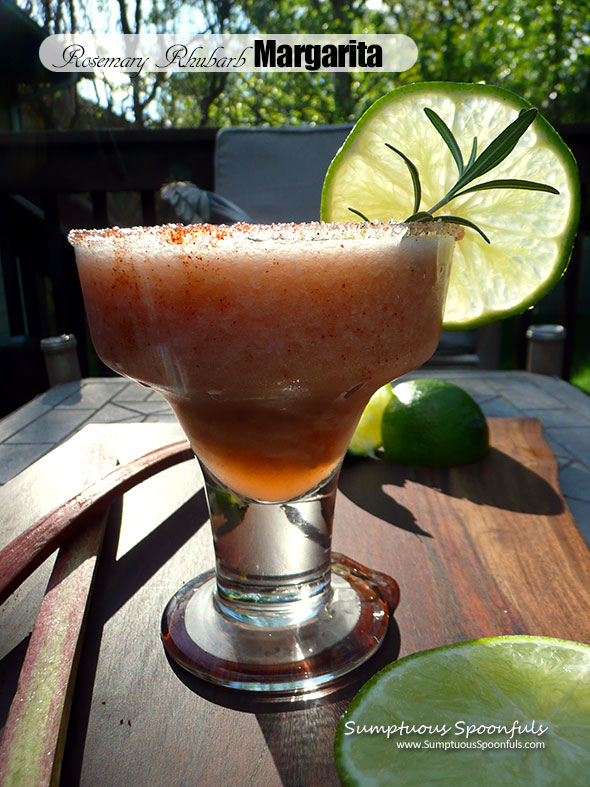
278 654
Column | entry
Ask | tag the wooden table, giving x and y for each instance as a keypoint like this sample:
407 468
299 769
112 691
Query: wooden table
487 549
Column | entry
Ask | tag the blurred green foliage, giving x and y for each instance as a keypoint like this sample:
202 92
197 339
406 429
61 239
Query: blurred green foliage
537 48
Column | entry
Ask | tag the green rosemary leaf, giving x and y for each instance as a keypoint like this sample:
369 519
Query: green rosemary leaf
358 213
510 183
473 153
447 135
498 149
415 177
464 223
422 215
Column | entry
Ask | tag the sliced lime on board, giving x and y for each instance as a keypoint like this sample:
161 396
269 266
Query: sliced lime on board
500 690
531 232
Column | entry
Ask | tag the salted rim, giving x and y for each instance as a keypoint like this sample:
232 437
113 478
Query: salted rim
179 233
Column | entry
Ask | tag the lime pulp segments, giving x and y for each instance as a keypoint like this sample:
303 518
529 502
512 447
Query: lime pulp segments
367 437
473 688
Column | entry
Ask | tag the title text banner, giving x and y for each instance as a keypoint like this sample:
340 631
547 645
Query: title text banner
154 52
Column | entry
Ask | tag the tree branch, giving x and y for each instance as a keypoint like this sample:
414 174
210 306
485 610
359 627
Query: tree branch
123 17
159 78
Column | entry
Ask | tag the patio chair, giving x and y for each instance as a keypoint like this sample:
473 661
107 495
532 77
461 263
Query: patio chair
276 174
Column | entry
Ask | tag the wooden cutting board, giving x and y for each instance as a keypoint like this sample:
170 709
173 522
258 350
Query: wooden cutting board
483 549
480 550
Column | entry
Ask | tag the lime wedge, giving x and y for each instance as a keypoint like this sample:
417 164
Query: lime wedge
502 711
531 232
366 439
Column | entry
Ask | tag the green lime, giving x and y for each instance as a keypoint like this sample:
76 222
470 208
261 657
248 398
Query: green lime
367 437
433 423
531 232
499 711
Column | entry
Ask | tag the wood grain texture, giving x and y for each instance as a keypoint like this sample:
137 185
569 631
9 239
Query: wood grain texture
498 551
480 550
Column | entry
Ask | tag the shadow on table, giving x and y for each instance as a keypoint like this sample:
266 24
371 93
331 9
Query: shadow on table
362 482
58 394
496 480
116 582
301 741
299 732
10 668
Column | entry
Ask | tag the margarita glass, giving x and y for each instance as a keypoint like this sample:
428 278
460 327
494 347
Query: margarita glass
268 342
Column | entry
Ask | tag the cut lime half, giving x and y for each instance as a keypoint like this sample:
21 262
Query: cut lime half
511 710
433 423
531 232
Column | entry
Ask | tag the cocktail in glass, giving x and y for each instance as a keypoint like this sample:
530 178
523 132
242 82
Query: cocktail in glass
268 341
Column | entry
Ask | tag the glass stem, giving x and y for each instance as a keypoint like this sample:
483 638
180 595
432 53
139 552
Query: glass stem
272 559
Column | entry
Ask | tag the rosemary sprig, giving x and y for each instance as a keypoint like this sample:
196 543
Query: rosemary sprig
476 166
358 213
415 177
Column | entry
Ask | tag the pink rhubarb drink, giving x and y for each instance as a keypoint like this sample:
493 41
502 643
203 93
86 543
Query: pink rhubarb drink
267 341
